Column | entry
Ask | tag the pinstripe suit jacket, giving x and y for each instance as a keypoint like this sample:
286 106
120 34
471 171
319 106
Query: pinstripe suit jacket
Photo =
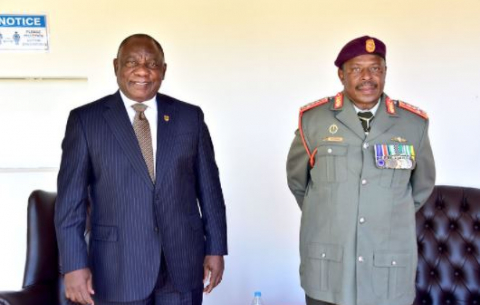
133 220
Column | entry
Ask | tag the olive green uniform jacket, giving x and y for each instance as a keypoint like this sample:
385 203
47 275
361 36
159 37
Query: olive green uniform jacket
358 235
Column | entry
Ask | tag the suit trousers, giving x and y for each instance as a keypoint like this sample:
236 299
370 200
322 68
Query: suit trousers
311 301
165 293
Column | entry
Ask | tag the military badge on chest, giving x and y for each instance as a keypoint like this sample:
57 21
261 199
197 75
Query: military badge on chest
394 156
333 130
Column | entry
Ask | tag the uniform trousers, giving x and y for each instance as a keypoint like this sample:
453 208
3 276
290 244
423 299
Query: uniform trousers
311 301
165 293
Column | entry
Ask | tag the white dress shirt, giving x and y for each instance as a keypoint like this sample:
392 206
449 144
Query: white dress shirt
373 110
152 116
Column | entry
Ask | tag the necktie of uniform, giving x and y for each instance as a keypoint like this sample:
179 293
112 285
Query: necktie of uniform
365 118
144 136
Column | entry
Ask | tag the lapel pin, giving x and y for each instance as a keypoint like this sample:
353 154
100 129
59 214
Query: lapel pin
333 129
166 118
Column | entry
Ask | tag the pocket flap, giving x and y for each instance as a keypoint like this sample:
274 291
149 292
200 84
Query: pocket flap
325 252
332 150
392 259
104 233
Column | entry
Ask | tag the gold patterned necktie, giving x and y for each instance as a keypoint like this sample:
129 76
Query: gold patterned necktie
365 118
144 136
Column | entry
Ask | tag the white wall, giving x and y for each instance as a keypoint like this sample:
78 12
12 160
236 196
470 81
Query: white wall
250 65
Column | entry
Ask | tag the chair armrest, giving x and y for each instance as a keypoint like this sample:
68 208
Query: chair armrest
31 295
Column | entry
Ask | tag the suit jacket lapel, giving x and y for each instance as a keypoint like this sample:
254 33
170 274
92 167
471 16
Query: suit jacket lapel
382 121
349 118
167 120
117 118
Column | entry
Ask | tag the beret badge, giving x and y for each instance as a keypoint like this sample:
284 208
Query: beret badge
370 45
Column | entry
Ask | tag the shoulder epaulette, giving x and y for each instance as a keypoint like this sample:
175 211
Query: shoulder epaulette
313 105
311 155
413 109
338 104
390 104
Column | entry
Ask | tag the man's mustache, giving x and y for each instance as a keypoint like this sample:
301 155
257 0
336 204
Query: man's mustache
366 83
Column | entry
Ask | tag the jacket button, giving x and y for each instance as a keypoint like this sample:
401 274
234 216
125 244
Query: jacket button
361 220
364 181
365 145
324 255
329 150
361 259
394 263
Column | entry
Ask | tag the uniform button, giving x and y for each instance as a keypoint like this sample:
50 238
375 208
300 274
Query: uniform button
362 220
366 145
394 263
364 181
324 255
361 259
329 150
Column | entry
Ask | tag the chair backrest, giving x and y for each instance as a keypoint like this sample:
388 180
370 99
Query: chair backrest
448 235
41 266
42 254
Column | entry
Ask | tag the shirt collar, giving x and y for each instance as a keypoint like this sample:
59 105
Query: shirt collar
151 103
373 110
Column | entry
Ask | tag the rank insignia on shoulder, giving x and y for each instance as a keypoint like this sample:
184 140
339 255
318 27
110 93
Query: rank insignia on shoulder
390 106
314 104
413 109
338 104
394 156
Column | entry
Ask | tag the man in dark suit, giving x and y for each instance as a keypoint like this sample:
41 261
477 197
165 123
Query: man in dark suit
158 225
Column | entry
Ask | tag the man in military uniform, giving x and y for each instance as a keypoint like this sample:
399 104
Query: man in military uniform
360 166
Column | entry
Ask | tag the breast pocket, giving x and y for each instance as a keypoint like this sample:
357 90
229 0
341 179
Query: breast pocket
396 162
186 142
331 163
394 177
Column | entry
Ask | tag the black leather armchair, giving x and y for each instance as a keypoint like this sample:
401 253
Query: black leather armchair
448 234
42 283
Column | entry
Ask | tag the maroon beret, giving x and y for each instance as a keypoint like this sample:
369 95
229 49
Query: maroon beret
361 46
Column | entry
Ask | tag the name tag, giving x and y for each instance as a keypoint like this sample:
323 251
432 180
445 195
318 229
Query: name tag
394 156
